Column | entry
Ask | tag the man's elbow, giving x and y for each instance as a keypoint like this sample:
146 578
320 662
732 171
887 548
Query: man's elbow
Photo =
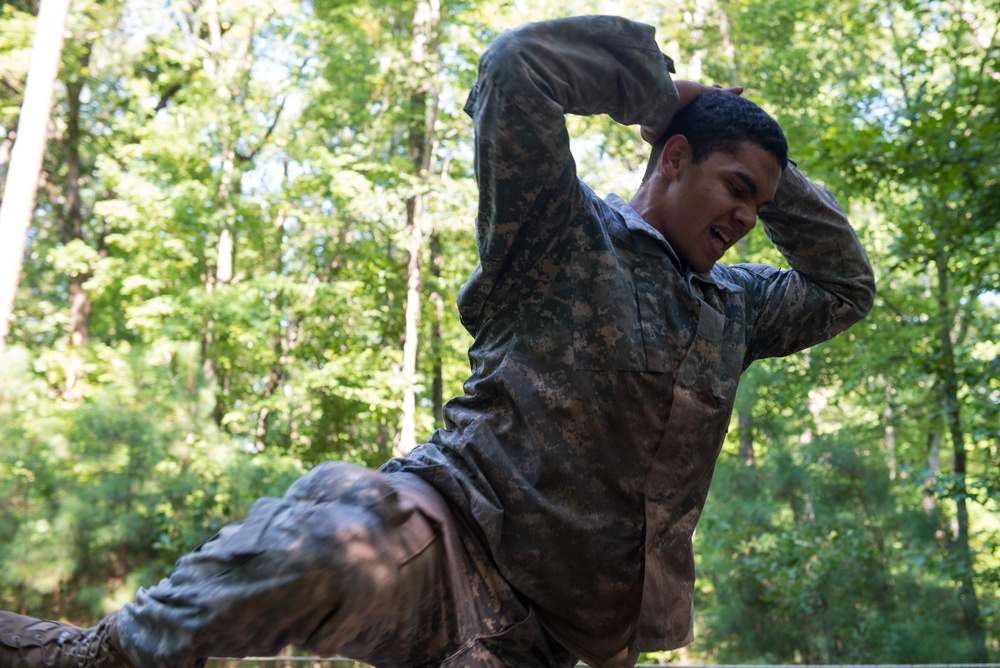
862 296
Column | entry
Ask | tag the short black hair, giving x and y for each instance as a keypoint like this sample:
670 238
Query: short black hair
722 121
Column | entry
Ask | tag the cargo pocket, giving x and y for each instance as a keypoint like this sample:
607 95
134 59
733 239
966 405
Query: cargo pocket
523 643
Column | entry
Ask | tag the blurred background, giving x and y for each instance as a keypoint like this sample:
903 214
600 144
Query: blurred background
241 247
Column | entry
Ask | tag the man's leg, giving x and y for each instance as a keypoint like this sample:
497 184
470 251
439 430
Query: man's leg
491 625
26 642
339 562
350 561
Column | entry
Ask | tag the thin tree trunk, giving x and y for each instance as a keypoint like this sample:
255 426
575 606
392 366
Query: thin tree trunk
219 272
423 112
890 437
5 145
745 417
964 566
26 156
437 331
414 279
72 228
278 341
929 501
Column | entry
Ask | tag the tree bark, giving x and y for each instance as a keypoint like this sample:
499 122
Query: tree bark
5 145
932 471
221 272
964 566
279 344
890 437
72 227
27 153
423 113
745 426
414 279
437 332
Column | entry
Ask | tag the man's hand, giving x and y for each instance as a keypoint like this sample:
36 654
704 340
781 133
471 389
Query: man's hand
687 91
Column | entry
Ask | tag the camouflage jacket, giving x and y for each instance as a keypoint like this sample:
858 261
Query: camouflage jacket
603 373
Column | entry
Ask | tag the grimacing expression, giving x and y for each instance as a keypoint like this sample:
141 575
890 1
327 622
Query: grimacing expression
704 208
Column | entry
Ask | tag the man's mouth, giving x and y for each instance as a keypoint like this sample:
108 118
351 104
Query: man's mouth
722 236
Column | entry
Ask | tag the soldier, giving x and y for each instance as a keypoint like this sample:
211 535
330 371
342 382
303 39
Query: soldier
552 519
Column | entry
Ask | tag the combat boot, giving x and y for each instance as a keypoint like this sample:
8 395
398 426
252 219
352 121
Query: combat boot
26 642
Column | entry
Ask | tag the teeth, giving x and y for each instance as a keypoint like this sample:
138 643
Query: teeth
719 233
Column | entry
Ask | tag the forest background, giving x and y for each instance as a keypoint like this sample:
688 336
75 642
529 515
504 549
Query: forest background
253 217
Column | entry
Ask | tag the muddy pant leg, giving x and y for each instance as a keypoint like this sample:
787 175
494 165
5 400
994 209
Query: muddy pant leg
339 561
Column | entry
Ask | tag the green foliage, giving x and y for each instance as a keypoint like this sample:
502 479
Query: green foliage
283 128
101 493
839 577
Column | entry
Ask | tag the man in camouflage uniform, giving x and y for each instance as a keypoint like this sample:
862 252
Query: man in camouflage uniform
553 518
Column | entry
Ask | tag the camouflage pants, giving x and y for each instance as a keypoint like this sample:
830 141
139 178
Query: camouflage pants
349 562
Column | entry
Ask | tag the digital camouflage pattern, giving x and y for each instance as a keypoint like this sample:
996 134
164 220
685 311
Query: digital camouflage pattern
349 562
577 463
603 373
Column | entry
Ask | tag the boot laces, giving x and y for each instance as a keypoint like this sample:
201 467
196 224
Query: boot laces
72 648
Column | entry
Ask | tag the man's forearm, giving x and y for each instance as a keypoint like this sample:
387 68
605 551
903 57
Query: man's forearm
529 79
586 65
831 285
811 230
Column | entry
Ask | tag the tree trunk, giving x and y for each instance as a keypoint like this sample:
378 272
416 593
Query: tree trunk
72 227
278 341
929 501
437 332
27 153
890 437
964 566
218 275
745 427
414 279
423 112
220 272
5 145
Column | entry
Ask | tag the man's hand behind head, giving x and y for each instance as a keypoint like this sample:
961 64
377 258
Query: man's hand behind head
687 91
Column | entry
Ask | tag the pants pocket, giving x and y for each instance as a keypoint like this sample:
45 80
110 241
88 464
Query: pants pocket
523 643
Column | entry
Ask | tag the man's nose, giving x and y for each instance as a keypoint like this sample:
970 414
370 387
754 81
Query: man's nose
746 218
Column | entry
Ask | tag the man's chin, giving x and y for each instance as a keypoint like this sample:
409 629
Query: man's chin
701 267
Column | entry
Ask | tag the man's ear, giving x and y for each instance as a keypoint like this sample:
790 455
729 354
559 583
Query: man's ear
675 157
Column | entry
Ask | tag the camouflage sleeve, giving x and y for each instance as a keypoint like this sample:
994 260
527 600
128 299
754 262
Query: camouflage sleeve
830 285
529 79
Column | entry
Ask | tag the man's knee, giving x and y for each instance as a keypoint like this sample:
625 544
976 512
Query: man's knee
340 519
341 482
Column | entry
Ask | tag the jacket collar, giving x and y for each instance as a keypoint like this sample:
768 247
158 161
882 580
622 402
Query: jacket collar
717 276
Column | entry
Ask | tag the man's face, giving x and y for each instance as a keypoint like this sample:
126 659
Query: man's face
704 208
